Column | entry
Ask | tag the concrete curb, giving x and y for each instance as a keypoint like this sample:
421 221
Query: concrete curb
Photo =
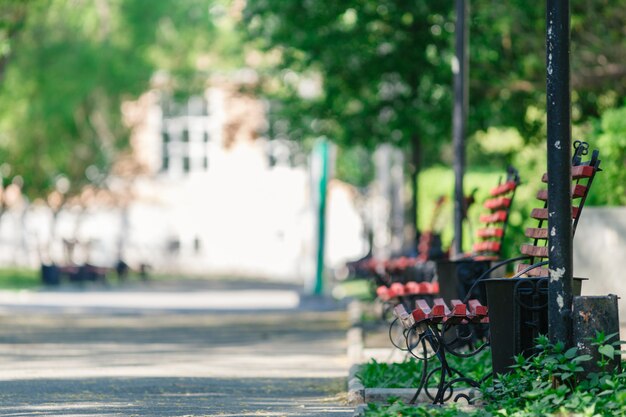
356 390
354 312
355 345
359 410
355 355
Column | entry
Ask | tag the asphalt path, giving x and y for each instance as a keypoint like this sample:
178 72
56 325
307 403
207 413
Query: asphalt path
188 348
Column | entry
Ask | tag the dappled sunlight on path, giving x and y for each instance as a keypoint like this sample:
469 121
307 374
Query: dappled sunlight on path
166 363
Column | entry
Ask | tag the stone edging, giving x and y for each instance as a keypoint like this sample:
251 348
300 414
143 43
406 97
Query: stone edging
356 390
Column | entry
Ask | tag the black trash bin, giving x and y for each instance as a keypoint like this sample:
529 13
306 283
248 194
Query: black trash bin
518 313
457 277
50 274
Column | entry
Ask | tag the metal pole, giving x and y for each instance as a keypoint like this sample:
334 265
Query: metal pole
460 70
559 170
398 207
321 231
382 203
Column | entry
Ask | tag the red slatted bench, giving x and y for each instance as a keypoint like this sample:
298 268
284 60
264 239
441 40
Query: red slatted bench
456 276
430 321
488 247
583 174
440 312
491 233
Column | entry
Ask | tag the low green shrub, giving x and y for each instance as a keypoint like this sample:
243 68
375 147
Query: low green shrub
550 383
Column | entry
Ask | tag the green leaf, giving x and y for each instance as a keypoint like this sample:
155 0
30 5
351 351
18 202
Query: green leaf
607 350
571 353
533 394
600 337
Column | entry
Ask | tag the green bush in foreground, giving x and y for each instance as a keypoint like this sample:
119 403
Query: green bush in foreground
551 383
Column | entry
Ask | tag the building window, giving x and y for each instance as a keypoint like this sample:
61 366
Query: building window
185 137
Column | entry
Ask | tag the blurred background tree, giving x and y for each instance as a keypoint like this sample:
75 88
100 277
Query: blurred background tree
609 133
13 16
507 93
381 72
508 63
67 66
359 72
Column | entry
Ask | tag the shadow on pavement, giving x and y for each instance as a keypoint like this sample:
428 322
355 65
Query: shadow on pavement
173 397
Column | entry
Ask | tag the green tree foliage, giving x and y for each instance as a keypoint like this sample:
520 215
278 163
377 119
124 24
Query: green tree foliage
13 16
383 67
72 64
507 63
610 136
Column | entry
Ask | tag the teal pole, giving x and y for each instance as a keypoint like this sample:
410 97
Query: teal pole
321 215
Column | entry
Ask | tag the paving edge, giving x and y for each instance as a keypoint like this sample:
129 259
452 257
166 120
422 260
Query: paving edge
359 410
355 345
356 390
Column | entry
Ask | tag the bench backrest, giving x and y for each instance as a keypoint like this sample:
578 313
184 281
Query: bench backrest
493 223
583 173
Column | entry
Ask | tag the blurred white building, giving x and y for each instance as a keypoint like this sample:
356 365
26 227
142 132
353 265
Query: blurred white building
202 192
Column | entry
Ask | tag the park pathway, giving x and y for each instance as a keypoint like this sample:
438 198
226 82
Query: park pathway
190 348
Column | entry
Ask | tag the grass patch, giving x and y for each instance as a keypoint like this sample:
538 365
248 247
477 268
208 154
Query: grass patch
359 289
19 278
439 180
407 374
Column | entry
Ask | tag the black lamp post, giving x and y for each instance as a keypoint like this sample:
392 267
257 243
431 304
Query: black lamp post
559 170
